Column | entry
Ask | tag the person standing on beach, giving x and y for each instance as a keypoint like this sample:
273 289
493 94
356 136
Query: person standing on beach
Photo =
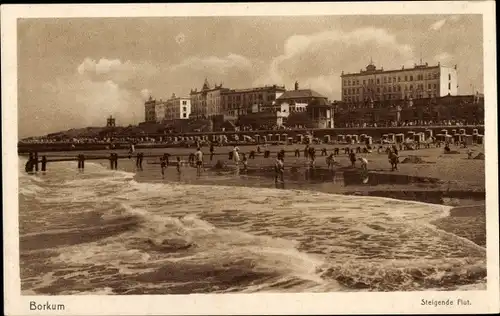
212 150
163 164
236 155
306 151
166 157
352 157
279 168
199 161
178 165
44 163
393 159
35 158
364 164
245 162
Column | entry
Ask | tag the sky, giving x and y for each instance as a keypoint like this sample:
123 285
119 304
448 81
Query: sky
75 72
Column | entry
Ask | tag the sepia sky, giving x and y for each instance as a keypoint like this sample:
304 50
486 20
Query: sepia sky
75 72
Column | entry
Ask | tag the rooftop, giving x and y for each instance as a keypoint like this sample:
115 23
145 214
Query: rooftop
372 69
300 93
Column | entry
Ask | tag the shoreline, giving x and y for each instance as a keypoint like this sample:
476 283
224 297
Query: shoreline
467 215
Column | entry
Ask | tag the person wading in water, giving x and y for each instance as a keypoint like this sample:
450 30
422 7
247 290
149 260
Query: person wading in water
199 161
279 168
163 164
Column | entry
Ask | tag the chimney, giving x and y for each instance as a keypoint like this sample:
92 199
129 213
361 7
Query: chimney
296 85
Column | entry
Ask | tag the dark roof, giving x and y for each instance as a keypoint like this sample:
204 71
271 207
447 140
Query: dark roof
299 94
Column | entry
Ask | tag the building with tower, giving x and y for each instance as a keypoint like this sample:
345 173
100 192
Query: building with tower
207 102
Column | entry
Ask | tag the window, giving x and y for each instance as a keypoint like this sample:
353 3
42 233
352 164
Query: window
184 115
399 79
449 76
378 90
399 88
429 86
406 78
389 79
184 102
435 86
449 86
411 78
393 79
411 87
349 82
378 81
345 91
364 82
357 82
184 109
385 79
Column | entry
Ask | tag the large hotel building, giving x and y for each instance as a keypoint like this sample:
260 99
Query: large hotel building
421 81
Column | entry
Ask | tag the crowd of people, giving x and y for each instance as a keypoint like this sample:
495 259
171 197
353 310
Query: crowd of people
416 123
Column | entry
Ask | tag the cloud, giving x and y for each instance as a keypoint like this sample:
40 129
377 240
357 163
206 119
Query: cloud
443 57
437 25
317 60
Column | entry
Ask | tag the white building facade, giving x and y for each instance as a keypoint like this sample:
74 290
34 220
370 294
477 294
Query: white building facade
177 108
421 81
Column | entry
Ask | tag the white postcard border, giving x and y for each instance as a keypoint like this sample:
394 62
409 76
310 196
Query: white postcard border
303 303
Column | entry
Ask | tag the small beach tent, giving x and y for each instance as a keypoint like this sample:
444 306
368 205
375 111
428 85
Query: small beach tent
444 131
214 138
368 140
467 139
448 138
453 132
340 138
385 137
236 137
410 134
326 139
428 133
176 139
355 138
290 140
400 138
257 138
277 137
457 138
440 137
284 137
475 131
390 137
309 139
269 137
264 139
462 131
348 138
247 138
299 138
362 137
419 137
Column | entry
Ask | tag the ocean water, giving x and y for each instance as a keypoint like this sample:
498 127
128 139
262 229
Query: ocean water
101 232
